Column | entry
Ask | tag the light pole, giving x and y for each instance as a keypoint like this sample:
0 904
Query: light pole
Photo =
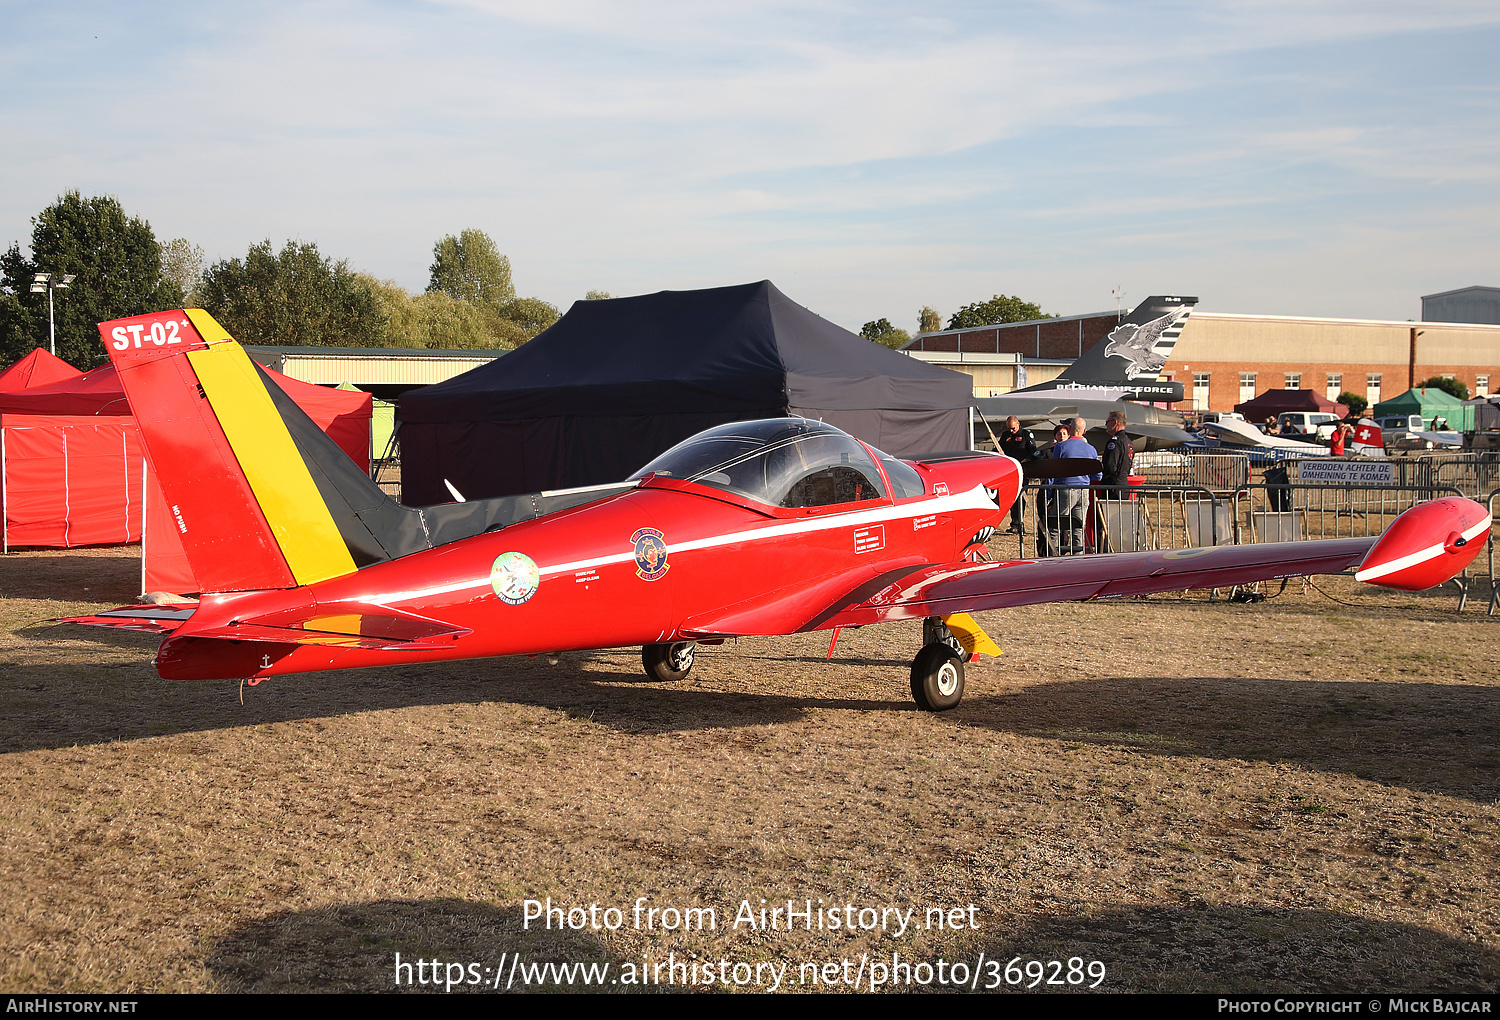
50 282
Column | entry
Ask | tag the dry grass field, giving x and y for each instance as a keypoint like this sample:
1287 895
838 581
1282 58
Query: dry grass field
1296 795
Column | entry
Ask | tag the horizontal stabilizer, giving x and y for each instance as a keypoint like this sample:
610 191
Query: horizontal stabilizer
344 626
347 625
320 634
151 619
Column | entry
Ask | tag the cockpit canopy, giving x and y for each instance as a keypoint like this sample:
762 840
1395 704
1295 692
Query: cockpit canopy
783 462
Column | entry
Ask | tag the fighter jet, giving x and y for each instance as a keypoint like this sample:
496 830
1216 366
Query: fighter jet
1113 375
1131 357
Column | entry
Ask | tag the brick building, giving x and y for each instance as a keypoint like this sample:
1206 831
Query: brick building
1223 359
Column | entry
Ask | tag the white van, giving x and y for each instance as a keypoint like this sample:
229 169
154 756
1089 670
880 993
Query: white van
1308 423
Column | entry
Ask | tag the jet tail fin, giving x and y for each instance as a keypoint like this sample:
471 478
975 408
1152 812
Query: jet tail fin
1135 350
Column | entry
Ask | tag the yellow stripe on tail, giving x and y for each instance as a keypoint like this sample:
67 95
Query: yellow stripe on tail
286 492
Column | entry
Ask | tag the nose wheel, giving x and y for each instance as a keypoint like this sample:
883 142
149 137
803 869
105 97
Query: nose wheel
937 678
668 662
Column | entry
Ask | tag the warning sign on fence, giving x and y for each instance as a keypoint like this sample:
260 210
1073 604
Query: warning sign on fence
1347 472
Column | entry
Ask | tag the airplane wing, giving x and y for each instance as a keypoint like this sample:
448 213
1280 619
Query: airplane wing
1165 435
970 587
939 589
1425 546
1238 433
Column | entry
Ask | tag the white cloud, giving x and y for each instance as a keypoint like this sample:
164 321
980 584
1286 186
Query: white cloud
928 159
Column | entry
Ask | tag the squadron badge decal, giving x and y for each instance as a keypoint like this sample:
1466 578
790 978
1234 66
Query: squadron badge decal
650 554
515 577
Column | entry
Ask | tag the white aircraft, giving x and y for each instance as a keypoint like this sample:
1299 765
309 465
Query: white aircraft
1243 435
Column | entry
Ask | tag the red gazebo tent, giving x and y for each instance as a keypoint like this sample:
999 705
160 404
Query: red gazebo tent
1273 402
38 368
72 470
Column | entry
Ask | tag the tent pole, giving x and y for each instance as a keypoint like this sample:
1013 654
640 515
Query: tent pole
67 497
125 460
143 522
4 500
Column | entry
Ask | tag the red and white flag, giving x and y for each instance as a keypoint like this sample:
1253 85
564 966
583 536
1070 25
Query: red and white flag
1367 433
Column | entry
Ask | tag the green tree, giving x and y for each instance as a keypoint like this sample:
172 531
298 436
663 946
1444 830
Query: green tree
182 265
598 295
1448 385
882 332
116 262
928 320
296 297
468 267
1354 402
528 315
997 309
434 320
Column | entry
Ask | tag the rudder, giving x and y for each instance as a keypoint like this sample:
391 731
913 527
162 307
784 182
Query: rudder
246 508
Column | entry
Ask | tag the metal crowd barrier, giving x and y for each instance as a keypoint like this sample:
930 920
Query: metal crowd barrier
1072 520
1197 468
1471 473
1490 557
1292 513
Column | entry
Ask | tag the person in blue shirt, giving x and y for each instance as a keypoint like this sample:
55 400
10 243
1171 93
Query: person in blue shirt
1070 496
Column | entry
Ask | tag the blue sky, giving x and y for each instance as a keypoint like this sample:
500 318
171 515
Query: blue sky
1300 158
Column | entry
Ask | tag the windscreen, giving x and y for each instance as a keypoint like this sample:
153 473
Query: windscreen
785 462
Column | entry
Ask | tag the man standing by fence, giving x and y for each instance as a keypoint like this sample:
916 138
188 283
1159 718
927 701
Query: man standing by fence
1069 496
1016 443
1118 455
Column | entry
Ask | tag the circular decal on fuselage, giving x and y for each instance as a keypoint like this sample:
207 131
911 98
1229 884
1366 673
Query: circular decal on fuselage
515 577
650 554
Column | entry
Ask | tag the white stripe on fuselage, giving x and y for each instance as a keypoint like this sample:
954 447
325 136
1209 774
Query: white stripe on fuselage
975 499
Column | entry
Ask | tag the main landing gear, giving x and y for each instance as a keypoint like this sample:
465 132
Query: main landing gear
668 662
937 673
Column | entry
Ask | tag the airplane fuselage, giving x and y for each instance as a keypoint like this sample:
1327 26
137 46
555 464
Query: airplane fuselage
670 560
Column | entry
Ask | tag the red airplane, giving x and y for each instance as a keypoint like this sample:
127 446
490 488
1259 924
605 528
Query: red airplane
763 527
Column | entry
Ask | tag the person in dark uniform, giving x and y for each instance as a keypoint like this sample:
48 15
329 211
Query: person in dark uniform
1117 456
1016 442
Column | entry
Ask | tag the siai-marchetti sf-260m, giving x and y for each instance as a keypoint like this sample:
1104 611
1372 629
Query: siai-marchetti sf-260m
768 527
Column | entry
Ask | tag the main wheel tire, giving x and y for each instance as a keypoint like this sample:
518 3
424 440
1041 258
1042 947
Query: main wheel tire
937 678
668 662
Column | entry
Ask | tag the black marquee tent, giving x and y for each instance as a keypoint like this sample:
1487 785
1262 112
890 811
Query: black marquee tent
614 383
